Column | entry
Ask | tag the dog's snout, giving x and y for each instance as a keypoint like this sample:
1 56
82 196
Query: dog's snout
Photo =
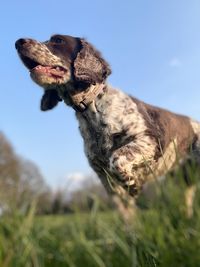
19 43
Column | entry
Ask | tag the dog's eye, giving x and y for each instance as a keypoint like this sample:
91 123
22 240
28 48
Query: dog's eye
57 40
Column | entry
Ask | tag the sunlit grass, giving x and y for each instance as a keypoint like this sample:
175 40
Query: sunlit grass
161 234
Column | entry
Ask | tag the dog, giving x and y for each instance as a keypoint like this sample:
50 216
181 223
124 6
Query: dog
127 142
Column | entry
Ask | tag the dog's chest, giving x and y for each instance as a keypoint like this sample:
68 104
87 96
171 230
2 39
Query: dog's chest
97 137
110 123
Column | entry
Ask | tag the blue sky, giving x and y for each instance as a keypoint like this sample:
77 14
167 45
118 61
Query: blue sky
153 48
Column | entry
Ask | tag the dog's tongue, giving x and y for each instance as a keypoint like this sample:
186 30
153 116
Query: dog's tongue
49 70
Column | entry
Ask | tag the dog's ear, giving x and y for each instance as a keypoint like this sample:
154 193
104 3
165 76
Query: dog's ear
49 100
89 66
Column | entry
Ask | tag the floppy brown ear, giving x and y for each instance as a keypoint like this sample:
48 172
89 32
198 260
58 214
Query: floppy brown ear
49 100
89 66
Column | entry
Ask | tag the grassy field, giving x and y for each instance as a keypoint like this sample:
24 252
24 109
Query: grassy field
160 235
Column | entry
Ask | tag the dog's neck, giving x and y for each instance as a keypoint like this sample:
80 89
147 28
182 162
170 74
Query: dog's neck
80 98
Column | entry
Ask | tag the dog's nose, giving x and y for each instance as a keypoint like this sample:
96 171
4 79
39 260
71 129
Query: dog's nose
19 43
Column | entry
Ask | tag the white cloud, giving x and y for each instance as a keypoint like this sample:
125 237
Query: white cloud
77 176
77 180
175 62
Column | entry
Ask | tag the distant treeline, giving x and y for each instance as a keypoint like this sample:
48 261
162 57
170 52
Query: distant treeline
21 183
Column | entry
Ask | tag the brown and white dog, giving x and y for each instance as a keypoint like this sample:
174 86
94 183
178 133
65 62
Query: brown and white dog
124 138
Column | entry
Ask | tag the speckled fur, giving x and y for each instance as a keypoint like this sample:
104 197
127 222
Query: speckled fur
115 139
125 140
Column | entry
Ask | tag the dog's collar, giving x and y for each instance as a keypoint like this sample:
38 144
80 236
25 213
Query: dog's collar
81 100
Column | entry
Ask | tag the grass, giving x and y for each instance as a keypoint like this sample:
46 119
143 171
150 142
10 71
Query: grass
160 235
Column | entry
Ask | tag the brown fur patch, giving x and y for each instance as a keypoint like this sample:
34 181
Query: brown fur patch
165 126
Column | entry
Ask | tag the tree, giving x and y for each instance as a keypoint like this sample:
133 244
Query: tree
20 181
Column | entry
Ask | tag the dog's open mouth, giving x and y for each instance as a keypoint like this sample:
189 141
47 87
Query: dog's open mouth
52 71
37 69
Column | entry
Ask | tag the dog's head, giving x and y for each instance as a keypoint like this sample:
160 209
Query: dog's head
59 62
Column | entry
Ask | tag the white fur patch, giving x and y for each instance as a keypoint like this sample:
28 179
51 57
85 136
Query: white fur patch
196 148
167 160
195 127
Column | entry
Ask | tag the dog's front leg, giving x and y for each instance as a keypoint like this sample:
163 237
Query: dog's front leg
132 165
